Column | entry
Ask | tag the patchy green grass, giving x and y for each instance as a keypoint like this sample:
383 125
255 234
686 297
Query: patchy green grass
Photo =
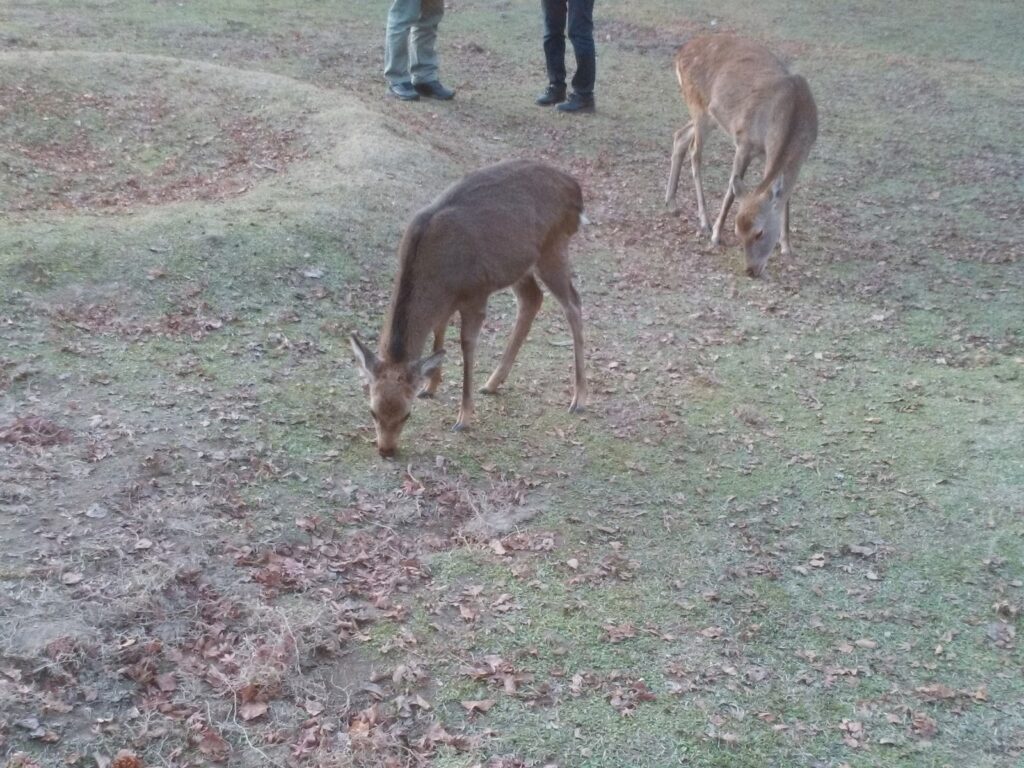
789 530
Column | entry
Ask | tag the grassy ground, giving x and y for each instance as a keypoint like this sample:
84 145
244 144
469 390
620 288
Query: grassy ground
789 530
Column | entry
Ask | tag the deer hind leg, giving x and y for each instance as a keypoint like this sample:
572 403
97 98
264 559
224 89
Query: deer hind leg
739 169
784 239
680 145
434 380
472 321
554 271
529 297
700 126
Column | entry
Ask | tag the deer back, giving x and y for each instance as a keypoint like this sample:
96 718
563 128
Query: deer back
749 92
481 235
725 75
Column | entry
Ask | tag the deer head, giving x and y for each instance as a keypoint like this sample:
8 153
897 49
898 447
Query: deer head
759 223
392 388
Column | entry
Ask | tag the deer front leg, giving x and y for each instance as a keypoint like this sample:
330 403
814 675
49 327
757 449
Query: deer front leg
680 144
472 321
739 168
696 147
784 238
434 379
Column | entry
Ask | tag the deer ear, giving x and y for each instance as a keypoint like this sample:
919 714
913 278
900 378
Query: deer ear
365 357
426 366
777 186
738 189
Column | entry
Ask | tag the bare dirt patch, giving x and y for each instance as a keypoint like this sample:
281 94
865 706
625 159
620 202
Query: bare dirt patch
126 136
34 430
156 604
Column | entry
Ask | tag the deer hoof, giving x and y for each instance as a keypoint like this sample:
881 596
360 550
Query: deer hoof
488 390
577 408
460 427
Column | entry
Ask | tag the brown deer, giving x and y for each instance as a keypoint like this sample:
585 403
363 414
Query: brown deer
740 85
505 225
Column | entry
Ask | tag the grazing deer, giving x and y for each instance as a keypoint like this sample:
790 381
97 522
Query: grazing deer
741 86
504 225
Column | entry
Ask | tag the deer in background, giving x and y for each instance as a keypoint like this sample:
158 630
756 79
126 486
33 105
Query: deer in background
740 85
505 225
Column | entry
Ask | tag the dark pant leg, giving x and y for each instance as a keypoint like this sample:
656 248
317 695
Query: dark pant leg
554 39
581 33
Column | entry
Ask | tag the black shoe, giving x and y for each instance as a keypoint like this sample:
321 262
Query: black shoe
434 90
578 102
403 91
555 94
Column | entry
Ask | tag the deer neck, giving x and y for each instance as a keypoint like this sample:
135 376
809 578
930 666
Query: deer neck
781 170
786 154
409 323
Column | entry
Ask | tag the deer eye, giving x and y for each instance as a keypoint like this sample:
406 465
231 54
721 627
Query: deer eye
374 414
759 235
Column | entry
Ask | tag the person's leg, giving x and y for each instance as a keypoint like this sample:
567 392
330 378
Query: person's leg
423 55
401 17
581 33
554 40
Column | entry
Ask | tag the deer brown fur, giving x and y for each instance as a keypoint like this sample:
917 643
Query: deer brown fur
505 225
740 85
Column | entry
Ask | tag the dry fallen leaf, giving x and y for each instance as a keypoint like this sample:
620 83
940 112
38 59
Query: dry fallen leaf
71 577
616 633
214 746
853 733
313 707
1000 633
126 759
96 512
481 705
253 709
857 549
166 682
936 691
923 725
